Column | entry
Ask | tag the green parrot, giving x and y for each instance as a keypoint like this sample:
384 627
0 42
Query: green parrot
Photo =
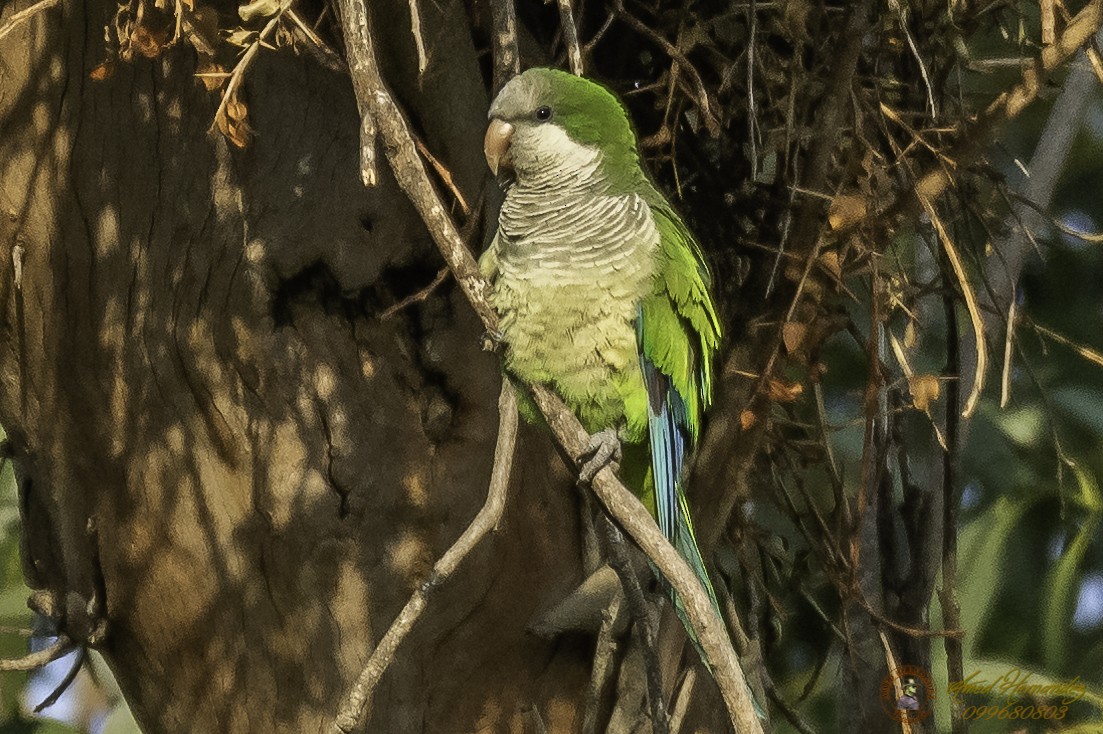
602 290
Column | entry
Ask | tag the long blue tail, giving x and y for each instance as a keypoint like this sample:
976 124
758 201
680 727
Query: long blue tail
667 434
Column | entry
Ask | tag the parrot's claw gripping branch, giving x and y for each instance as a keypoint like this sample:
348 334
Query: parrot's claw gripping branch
492 340
604 449
375 100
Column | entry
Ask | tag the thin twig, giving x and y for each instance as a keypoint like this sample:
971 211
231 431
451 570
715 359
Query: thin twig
970 304
355 707
1049 22
702 95
605 652
39 658
445 176
1086 352
902 16
1092 238
507 59
1008 353
752 113
419 40
947 595
898 688
681 701
19 18
5 629
645 627
66 681
321 50
247 59
881 619
592 43
791 714
417 297
570 37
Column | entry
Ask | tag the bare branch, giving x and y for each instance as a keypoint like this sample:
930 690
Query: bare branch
417 297
604 663
24 15
39 658
570 37
645 628
419 40
377 104
507 59
356 706
970 303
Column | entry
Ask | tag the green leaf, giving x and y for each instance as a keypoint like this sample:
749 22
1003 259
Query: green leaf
983 559
1063 582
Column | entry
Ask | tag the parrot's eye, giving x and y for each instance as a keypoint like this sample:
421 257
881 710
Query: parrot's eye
543 114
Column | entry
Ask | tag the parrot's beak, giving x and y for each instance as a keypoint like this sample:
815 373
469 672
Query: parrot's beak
499 134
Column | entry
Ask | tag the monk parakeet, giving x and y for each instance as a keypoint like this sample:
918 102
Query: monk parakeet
602 290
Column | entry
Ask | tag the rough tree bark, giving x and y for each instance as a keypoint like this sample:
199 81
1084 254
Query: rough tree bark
226 455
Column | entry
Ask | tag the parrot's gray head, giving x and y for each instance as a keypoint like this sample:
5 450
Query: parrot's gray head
546 122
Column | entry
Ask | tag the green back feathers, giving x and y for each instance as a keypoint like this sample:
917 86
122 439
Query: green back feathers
681 330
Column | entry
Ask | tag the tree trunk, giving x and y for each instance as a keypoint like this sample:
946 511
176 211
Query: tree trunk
235 471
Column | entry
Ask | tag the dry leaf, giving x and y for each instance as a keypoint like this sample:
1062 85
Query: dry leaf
104 71
829 261
259 9
924 390
784 392
241 37
149 42
211 74
792 335
233 121
911 335
846 210
747 419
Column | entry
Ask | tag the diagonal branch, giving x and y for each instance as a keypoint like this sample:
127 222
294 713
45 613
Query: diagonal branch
39 658
357 704
377 104
23 15
625 507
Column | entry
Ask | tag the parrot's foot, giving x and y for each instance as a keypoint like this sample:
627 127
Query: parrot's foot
492 340
603 449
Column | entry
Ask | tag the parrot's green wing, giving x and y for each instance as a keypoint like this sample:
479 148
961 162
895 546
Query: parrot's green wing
678 333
